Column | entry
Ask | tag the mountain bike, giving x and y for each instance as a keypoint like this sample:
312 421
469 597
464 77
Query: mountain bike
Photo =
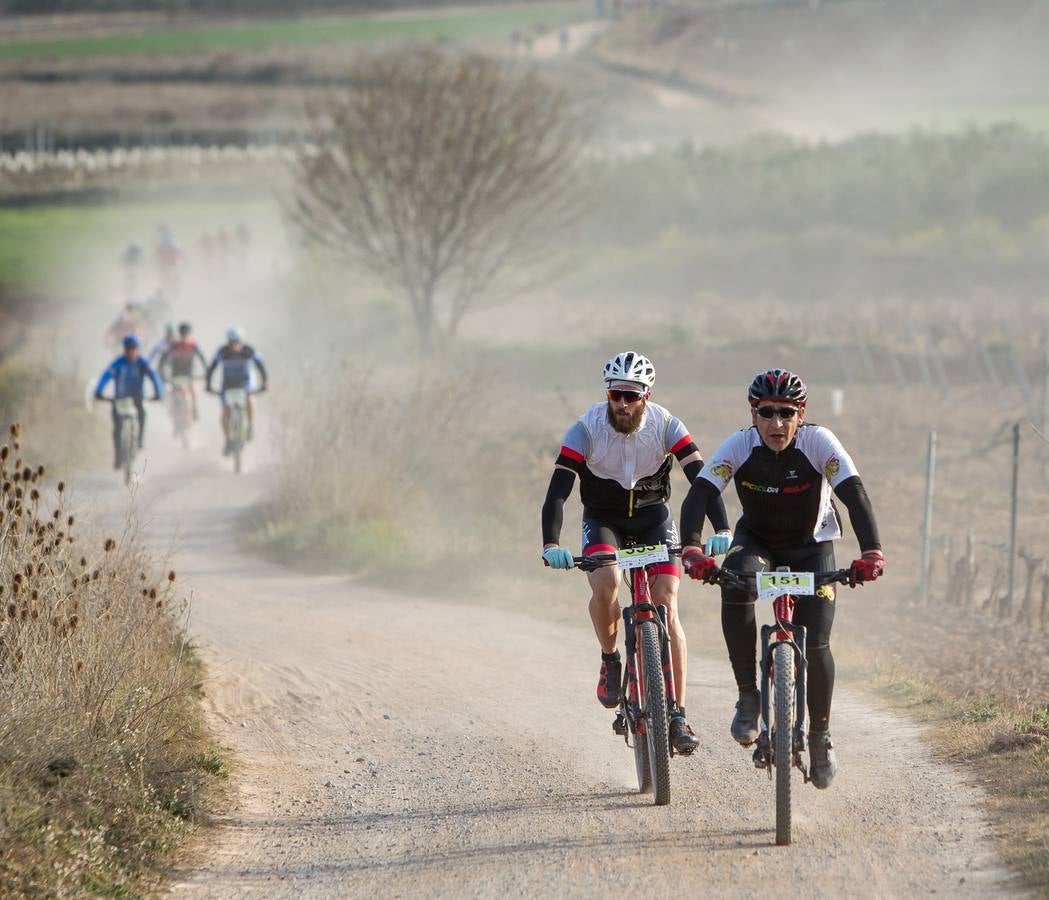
127 432
236 400
181 409
781 739
647 691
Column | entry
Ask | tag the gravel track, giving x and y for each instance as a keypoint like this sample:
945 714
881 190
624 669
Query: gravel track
392 746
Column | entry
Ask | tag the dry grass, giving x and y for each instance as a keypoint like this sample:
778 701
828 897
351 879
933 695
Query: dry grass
102 750
390 479
1006 751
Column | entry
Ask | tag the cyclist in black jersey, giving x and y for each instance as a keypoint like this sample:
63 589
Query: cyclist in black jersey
784 471
622 450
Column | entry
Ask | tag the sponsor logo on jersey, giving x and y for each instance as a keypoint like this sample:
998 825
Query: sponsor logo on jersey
792 473
797 488
722 470
759 488
832 467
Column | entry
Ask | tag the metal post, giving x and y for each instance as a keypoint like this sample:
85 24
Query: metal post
1012 516
930 472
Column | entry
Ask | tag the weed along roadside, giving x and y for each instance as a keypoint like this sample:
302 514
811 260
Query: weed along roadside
105 763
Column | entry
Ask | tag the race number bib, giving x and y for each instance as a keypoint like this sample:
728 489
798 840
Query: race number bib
775 584
636 557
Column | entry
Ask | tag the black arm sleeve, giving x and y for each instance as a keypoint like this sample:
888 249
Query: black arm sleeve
717 514
716 510
695 509
561 483
853 495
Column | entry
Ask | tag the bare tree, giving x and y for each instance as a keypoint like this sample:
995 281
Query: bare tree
437 172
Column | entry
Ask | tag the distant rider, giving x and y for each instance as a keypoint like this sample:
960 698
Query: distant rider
156 354
178 360
236 359
623 449
784 470
128 374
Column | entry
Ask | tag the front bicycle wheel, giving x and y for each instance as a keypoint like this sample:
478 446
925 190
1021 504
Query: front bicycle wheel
128 446
236 436
655 710
783 736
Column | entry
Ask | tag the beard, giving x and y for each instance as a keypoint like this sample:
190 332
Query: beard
627 425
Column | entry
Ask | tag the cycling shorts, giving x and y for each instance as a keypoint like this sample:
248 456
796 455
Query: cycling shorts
816 612
606 533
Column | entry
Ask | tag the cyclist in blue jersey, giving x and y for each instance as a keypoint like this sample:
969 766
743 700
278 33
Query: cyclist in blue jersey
128 374
236 359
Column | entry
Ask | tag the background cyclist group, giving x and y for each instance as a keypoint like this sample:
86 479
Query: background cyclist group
174 357
785 472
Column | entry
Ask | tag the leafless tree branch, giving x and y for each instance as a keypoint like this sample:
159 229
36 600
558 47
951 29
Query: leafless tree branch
437 173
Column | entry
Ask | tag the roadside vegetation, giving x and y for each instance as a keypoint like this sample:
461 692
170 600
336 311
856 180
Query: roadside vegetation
104 759
1006 748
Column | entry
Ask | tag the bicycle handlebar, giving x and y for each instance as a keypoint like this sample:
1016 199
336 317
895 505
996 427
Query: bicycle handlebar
601 560
729 578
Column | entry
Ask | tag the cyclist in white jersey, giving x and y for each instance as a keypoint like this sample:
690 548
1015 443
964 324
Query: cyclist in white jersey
622 450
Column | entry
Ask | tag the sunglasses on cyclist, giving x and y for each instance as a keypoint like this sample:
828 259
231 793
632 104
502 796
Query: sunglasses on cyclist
786 413
626 396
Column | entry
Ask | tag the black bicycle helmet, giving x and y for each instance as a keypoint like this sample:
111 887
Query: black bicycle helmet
184 328
777 384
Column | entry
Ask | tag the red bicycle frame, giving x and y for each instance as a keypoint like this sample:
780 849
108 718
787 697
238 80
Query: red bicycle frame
644 610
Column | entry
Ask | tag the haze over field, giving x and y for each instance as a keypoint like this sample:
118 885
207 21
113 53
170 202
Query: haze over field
853 189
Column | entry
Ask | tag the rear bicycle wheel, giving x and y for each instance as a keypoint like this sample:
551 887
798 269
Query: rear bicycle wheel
783 736
655 708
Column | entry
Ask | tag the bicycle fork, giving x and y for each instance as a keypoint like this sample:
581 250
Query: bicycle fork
631 707
794 637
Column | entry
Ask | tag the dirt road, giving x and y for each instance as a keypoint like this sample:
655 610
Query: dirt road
394 746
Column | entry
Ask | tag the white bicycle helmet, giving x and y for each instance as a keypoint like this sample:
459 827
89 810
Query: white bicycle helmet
234 334
630 366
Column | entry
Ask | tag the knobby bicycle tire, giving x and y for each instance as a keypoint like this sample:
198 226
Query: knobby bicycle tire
128 446
236 431
656 720
783 737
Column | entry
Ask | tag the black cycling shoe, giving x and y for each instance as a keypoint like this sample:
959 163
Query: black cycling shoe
681 734
744 725
824 762
610 680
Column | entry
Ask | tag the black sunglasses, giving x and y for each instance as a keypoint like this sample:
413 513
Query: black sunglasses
627 396
786 413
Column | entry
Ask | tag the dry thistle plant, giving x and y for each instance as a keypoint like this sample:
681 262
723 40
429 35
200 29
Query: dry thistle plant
99 709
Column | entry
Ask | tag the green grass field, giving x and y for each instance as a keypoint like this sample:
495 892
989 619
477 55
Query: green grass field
455 25
44 248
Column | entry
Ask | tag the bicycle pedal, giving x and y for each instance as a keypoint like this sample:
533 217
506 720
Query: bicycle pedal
619 725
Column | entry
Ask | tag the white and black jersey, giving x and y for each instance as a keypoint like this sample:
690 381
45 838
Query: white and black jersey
785 496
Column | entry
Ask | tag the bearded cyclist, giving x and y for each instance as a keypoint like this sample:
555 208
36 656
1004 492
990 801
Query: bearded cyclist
128 374
622 451
236 359
784 471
